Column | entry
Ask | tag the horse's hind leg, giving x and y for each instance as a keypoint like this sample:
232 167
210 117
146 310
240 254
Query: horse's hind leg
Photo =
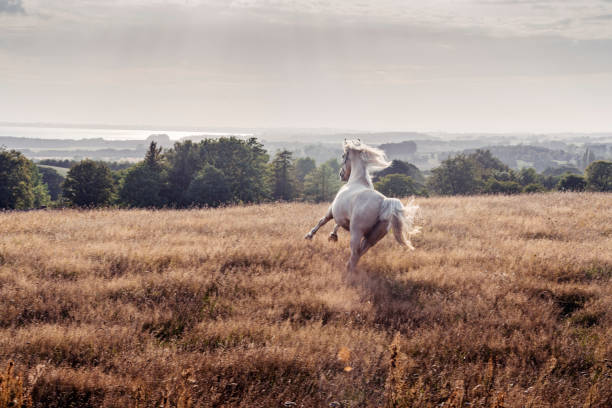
334 234
356 238
377 233
321 223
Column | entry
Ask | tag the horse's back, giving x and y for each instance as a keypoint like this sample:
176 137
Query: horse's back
356 203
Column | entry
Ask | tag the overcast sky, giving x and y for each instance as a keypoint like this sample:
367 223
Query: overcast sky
460 65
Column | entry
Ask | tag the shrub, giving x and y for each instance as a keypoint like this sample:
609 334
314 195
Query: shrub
599 176
533 188
571 182
397 185
494 186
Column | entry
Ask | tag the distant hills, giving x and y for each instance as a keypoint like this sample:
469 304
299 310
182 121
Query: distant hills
423 150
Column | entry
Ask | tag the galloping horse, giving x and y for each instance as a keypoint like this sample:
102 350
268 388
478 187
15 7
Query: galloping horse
363 211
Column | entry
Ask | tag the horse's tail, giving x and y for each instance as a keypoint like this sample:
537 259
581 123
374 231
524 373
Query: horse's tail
401 219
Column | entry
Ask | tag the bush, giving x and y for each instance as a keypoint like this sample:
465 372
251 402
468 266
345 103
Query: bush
397 185
401 167
571 182
534 188
599 176
528 176
494 186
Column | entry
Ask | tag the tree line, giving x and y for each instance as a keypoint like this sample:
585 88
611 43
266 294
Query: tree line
482 173
229 170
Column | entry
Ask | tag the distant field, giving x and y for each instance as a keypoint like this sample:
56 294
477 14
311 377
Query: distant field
506 302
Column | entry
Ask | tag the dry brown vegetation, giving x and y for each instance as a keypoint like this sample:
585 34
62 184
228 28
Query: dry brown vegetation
506 302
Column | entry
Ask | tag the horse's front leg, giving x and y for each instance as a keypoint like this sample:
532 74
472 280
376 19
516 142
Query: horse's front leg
321 223
334 234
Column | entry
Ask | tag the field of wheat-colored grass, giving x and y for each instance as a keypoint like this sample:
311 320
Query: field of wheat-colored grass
506 301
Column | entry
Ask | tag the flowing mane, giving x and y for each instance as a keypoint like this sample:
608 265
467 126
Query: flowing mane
374 158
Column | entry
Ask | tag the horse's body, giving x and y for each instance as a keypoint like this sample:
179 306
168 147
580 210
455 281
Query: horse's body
363 211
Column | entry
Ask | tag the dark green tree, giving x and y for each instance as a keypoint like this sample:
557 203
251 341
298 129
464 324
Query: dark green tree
561 170
141 187
303 166
184 161
244 164
571 182
528 175
402 167
210 187
153 157
550 182
455 176
40 190
142 184
599 176
397 185
485 164
283 176
534 188
255 175
321 184
21 185
334 165
495 186
88 184
53 180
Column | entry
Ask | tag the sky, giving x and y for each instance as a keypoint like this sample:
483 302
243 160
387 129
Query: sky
435 65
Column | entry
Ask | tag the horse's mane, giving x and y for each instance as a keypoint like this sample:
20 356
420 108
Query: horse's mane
373 157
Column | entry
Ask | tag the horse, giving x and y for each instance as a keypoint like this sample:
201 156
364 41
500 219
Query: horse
366 213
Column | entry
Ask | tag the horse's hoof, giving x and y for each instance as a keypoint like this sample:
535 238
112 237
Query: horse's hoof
308 236
333 237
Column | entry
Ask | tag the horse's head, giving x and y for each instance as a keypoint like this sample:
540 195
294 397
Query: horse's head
350 149
360 154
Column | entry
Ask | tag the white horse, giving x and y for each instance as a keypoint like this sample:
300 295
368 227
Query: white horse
363 211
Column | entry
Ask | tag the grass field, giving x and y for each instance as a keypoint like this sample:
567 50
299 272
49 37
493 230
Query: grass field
506 302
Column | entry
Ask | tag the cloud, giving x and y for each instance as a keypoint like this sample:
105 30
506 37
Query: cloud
11 7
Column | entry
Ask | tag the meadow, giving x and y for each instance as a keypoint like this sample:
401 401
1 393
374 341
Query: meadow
505 302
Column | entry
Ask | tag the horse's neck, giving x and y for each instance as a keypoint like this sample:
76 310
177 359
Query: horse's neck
360 175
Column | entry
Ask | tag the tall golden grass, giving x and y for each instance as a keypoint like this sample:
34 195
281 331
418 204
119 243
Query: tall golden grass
506 302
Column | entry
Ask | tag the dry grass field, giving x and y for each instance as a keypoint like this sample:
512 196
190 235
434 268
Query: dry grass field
506 302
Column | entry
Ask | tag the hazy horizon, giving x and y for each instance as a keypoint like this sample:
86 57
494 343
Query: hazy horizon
467 66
